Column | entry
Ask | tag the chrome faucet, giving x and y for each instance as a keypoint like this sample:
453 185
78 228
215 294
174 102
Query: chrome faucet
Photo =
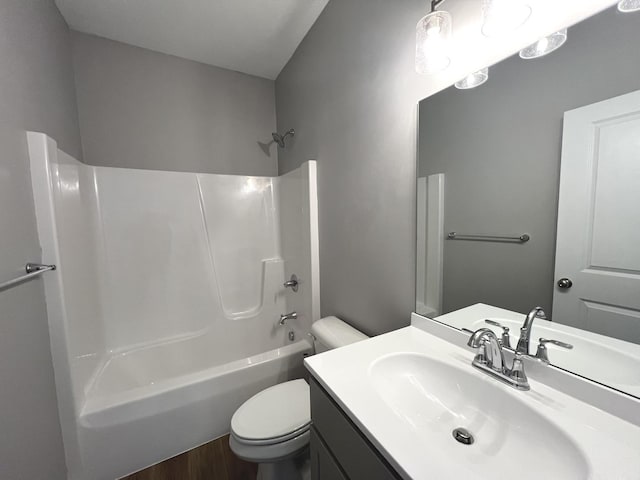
525 330
288 316
490 359
490 348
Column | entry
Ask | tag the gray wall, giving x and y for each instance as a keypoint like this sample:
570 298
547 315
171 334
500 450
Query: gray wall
500 147
36 93
143 109
351 93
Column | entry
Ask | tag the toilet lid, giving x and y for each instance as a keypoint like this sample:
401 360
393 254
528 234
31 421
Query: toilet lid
275 412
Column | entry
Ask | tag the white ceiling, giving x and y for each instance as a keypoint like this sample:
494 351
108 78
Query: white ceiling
257 37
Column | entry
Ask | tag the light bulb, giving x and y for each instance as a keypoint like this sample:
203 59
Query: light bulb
473 80
629 6
503 16
545 45
433 30
542 45
433 36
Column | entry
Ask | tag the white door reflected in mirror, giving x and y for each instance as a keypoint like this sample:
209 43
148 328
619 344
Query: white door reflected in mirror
597 255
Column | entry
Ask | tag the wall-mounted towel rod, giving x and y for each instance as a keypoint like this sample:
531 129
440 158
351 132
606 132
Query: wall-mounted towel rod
471 236
32 270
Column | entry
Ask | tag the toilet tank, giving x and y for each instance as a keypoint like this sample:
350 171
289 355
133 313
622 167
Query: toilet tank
331 332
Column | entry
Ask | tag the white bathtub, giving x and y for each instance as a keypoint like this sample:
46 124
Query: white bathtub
163 312
144 407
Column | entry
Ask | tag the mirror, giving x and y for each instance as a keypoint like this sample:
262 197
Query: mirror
529 195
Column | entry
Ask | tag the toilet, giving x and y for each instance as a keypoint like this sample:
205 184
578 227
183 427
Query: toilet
272 427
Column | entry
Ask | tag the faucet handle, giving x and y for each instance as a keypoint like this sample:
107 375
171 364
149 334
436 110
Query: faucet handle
542 353
480 342
558 343
292 283
504 339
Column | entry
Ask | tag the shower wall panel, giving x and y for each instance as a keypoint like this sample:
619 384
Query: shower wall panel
74 221
298 210
158 278
241 219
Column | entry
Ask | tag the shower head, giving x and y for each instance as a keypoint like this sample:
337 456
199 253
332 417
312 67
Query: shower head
279 139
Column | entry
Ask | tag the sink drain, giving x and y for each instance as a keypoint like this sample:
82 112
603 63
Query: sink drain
463 436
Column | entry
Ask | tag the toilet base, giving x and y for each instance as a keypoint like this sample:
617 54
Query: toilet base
294 468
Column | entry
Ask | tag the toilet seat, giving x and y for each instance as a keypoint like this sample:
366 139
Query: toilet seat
274 440
274 415
273 424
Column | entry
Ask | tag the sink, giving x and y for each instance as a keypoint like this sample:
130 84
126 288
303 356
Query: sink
408 391
434 398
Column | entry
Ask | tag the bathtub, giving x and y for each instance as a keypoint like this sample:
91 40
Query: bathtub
151 413
164 309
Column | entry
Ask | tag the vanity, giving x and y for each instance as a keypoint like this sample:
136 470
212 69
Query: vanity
410 405
523 355
339 449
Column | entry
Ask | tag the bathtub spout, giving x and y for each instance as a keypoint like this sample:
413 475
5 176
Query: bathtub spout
288 316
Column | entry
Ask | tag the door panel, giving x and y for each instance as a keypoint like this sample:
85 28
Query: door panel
616 236
612 321
598 244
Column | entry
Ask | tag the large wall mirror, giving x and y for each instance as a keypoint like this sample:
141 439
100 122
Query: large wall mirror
529 195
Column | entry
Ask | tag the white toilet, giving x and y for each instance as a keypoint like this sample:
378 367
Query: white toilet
272 427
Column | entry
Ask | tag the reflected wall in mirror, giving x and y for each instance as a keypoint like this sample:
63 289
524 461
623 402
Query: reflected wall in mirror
548 148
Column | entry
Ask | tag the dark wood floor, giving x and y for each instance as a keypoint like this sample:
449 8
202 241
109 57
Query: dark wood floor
212 461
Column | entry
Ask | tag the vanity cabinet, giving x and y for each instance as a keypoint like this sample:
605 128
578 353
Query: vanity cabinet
339 451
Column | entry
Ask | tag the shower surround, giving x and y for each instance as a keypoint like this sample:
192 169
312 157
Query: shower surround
163 313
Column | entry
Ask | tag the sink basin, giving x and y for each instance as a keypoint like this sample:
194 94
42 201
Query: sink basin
433 398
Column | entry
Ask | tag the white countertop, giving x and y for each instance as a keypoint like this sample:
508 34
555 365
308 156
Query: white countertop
610 445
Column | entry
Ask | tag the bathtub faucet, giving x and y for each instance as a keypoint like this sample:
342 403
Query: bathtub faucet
288 316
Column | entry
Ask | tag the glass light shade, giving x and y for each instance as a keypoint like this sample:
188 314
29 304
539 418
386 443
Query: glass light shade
433 38
473 80
503 16
545 45
629 6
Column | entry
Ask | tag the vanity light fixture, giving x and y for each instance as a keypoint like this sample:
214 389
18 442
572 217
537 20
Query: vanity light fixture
473 80
545 45
626 6
503 16
433 38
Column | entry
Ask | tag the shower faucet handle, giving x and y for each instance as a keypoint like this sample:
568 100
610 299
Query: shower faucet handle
292 283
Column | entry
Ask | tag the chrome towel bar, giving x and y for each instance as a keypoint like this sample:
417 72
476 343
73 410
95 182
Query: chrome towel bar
32 270
470 236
